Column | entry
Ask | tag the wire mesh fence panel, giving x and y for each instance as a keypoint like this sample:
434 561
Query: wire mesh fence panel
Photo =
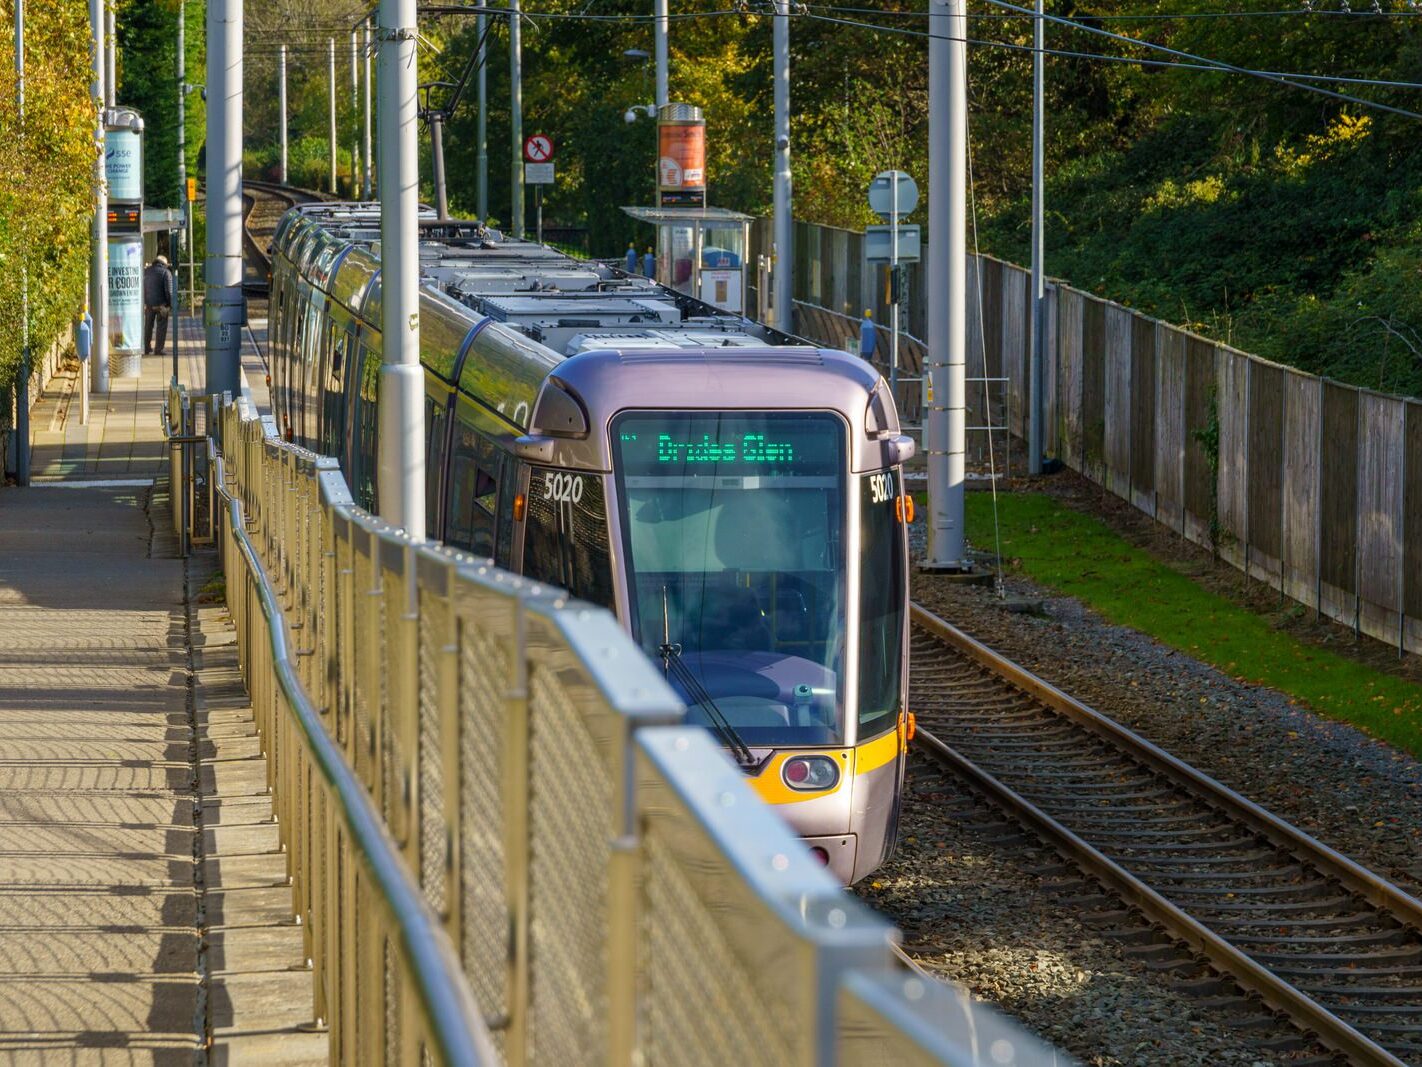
705 1006
432 824
570 819
486 627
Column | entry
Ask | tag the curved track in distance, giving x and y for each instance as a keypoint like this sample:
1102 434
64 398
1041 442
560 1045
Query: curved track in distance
1313 934
263 205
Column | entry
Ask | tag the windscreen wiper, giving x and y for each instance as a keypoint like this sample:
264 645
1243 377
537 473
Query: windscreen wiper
672 663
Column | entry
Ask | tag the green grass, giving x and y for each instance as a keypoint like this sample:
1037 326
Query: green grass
1079 555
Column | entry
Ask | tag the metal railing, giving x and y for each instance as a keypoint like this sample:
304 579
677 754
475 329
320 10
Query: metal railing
505 847
189 468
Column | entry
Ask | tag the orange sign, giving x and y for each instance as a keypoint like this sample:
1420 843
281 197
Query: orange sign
682 156
192 189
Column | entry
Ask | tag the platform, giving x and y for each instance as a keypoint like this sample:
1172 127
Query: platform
145 912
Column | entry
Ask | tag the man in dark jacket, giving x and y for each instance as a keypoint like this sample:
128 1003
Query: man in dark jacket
157 303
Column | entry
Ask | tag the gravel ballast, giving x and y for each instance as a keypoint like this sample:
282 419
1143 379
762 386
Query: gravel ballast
976 910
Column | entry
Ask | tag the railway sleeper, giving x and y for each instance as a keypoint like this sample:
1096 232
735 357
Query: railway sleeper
1168 876
1128 856
1379 937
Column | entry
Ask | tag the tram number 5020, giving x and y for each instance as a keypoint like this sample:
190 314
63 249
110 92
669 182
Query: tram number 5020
563 488
881 488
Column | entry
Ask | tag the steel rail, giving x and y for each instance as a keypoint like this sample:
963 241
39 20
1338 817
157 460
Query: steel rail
449 1007
1306 1012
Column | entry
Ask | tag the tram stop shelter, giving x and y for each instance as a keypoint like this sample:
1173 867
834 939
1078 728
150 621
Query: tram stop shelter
701 251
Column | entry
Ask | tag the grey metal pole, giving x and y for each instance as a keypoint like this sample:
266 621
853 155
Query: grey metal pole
225 310
357 164
659 12
331 102
110 56
894 289
99 245
401 442
782 276
515 120
182 76
946 424
281 97
481 166
22 383
437 163
1039 286
368 177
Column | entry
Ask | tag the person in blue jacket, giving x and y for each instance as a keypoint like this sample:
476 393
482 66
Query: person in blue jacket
868 335
631 258
649 263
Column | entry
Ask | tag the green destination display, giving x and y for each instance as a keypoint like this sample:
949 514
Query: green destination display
800 443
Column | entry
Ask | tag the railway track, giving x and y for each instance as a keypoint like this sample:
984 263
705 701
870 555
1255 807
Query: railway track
1311 933
263 205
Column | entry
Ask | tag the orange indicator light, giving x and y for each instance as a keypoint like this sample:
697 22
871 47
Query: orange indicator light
520 507
903 509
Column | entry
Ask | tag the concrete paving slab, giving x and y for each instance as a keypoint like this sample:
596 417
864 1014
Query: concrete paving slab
115 908
245 872
88 952
260 1001
284 1049
236 811
241 840
232 908
274 948
98 1004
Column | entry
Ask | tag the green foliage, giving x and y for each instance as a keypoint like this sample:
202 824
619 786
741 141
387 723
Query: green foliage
1081 556
1208 438
46 173
308 163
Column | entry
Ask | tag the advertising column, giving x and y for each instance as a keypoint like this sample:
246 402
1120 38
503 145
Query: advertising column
123 169
681 182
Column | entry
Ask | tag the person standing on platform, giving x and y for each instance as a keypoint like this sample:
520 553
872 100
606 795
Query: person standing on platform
649 263
157 303
868 335
631 258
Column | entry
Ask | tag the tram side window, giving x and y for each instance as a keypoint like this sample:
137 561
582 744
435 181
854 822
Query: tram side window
882 594
367 420
565 539
473 490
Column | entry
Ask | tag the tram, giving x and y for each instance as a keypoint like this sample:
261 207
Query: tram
732 494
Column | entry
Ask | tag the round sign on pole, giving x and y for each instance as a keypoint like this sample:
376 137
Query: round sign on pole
883 191
538 148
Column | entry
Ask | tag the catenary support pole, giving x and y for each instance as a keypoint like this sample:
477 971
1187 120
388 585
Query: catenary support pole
401 453
436 120
1039 289
516 120
22 379
182 76
946 425
224 312
369 176
331 104
281 96
99 245
481 128
110 56
659 12
356 162
784 259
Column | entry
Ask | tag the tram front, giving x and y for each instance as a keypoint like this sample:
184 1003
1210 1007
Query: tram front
761 561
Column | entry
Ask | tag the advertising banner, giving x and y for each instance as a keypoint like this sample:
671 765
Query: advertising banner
681 162
123 164
126 296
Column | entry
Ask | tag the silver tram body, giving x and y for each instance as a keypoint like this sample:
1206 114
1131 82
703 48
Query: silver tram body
733 496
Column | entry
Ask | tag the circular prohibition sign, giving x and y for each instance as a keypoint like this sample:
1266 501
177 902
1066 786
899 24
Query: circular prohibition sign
538 148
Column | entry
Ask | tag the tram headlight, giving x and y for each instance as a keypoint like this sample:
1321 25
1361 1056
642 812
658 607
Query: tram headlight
810 773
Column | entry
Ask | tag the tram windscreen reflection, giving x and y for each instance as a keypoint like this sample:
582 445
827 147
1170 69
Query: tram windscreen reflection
734 534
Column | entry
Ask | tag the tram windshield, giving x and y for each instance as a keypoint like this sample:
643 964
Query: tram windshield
734 525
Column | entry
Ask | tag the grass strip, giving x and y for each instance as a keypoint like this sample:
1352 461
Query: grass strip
1079 555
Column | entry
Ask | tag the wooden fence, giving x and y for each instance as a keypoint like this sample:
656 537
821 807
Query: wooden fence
1299 481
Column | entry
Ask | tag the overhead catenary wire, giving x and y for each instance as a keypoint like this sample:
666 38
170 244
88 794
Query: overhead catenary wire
1201 63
